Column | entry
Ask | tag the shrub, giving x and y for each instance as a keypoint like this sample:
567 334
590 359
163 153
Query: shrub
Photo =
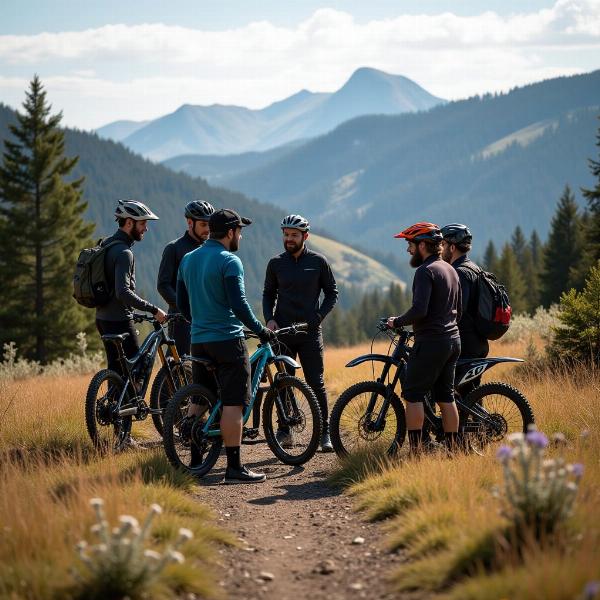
119 566
542 323
577 336
538 493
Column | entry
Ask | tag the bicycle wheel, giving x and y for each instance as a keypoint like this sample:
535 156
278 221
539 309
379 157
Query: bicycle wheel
491 412
353 429
291 408
162 390
186 446
108 433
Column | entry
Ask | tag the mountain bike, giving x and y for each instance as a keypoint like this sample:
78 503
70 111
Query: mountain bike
112 403
193 442
370 412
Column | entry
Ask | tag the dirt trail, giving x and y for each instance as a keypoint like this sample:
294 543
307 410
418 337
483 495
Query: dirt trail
299 537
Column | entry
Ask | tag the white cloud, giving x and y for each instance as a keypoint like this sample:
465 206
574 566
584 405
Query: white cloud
144 70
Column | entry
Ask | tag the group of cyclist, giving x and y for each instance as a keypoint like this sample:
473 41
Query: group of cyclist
201 277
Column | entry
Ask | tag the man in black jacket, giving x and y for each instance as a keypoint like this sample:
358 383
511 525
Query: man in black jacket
435 311
197 214
293 284
116 315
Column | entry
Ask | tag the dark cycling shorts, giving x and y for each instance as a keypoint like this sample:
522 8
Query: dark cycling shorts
431 367
233 369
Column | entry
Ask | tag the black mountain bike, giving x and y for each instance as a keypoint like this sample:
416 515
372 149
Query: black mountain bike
291 416
111 403
370 412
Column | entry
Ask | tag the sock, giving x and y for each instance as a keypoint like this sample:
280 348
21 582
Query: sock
451 440
233 457
415 439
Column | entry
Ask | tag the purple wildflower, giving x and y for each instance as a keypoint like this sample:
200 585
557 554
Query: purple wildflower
591 590
577 469
537 439
504 453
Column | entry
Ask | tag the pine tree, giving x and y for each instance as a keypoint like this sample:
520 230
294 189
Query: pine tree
509 274
518 244
41 233
591 227
537 250
490 258
563 250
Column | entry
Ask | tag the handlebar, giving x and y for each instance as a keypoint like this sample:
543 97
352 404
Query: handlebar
293 329
139 318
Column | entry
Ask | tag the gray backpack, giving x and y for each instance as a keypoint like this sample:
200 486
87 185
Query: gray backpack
90 286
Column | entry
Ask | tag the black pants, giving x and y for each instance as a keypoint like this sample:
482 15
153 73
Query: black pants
309 350
180 332
130 345
472 346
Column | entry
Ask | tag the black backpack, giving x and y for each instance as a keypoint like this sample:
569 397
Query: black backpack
492 318
90 286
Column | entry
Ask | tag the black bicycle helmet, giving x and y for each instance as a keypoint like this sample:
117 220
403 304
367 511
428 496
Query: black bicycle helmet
456 233
133 209
199 210
295 222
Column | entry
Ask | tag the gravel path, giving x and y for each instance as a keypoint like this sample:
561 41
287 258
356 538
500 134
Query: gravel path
299 537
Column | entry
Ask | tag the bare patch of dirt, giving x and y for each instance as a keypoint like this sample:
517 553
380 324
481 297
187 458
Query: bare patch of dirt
298 536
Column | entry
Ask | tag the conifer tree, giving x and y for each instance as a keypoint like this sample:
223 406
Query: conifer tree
490 258
41 233
518 244
537 250
509 274
563 250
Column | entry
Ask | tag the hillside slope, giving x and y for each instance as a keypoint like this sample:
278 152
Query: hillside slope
481 161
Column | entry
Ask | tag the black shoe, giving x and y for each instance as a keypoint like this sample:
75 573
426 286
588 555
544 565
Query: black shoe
243 475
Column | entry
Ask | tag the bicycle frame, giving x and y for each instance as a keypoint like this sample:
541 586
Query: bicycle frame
263 357
150 347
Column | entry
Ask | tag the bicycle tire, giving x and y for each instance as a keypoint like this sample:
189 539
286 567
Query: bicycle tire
160 394
176 439
269 410
396 437
482 436
98 419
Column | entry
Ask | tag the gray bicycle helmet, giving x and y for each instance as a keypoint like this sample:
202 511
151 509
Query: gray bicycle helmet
199 210
295 222
456 233
134 209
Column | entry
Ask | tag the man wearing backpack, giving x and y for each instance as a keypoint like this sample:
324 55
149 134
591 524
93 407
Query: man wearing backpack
116 315
435 310
197 214
455 247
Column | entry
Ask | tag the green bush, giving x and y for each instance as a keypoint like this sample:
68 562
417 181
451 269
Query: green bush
577 337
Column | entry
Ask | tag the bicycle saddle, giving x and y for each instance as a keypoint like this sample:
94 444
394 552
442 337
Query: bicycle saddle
115 337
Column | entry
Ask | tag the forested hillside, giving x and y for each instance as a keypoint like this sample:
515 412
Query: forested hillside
454 163
111 172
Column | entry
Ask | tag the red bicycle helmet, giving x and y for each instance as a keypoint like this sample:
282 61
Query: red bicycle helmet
421 231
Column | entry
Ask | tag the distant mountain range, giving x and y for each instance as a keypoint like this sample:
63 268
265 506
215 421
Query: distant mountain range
112 172
493 162
219 129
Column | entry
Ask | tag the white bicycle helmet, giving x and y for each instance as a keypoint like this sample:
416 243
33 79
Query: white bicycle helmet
133 209
295 222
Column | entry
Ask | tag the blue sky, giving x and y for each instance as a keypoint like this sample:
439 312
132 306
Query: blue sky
106 60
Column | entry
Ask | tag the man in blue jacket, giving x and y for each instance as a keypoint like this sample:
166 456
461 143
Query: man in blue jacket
210 292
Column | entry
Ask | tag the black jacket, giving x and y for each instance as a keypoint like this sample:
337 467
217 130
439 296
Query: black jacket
293 287
119 265
166 282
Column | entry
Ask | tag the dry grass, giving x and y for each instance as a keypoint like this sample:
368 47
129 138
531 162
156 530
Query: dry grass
441 513
48 473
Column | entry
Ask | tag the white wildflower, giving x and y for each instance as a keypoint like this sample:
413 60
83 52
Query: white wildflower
176 556
156 509
96 502
152 554
185 533
129 521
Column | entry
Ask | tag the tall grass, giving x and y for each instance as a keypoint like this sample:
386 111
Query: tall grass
443 515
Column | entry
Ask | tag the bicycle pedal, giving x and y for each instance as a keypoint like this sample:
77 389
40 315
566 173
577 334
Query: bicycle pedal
250 433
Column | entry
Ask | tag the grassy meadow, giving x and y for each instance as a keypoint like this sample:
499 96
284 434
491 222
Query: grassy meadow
444 518
440 514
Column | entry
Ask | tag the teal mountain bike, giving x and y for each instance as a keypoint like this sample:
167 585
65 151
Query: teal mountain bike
291 417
